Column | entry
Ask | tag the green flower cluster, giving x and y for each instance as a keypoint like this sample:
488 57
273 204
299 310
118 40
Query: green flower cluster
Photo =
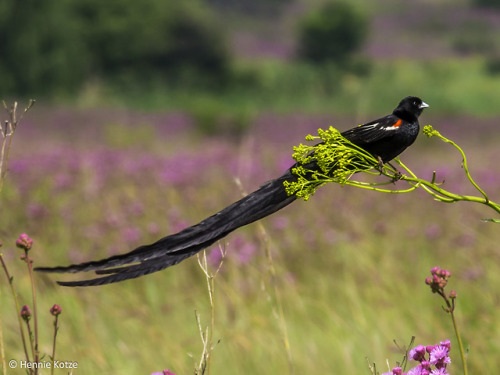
334 159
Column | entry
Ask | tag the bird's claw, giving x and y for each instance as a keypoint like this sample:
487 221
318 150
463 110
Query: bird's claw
397 174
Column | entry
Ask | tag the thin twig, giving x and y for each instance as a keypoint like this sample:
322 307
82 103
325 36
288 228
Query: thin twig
29 262
56 328
207 336
2 349
18 308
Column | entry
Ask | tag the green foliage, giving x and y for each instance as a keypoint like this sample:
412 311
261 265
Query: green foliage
152 39
332 33
493 65
40 48
466 87
213 116
255 7
53 46
486 3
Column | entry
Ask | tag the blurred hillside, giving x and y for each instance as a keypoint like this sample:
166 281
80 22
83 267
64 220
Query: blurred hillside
209 57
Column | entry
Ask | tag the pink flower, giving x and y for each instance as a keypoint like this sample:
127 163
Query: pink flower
24 242
26 313
55 310
446 343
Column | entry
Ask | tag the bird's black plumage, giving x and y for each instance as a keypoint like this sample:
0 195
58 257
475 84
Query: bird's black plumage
385 138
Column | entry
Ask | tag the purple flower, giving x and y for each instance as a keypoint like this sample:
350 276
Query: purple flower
416 371
417 353
440 371
215 256
164 372
131 234
62 181
395 371
433 231
280 222
439 356
446 343
37 211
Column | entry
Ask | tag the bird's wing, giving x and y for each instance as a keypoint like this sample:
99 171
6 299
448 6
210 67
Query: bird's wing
373 131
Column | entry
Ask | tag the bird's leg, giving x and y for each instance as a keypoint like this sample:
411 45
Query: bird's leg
380 164
397 174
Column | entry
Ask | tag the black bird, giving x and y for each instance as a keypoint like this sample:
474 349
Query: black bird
384 138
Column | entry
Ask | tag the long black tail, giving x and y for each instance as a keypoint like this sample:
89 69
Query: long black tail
173 249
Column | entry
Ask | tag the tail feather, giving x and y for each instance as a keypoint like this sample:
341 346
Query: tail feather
173 249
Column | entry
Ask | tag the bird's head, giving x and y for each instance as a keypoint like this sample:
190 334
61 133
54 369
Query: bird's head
410 108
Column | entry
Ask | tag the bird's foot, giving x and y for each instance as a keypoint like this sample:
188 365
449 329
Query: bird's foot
397 174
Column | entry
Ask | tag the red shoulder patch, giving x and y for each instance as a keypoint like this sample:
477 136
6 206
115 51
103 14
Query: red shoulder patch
398 123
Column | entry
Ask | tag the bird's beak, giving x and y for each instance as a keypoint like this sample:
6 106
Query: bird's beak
423 105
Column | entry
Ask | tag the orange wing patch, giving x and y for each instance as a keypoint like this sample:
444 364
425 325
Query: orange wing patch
398 123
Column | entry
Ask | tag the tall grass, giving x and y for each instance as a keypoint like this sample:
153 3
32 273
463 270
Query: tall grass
351 263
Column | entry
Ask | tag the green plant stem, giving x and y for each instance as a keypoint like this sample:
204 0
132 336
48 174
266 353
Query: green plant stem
30 334
460 345
18 308
2 349
448 197
207 357
430 187
36 353
56 328
200 369
464 163
451 310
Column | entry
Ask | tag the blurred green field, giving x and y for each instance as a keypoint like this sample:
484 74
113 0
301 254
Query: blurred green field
453 86
351 264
